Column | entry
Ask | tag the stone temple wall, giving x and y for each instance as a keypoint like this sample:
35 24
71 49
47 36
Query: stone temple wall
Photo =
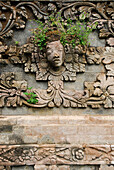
71 124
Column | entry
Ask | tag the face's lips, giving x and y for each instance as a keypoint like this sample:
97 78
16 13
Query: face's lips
56 59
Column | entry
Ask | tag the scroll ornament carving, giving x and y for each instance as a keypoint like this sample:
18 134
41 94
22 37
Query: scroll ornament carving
11 90
102 91
101 12
20 155
66 62
95 94
55 73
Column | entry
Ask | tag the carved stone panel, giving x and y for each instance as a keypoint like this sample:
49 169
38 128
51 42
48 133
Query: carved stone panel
57 64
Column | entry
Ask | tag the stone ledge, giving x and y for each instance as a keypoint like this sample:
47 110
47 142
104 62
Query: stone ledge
57 130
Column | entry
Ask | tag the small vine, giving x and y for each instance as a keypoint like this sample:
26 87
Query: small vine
32 96
68 31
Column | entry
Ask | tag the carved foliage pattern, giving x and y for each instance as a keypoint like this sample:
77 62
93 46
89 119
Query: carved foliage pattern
100 92
95 94
103 13
21 155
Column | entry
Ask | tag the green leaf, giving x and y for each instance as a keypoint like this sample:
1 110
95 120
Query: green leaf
28 100
26 93
29 88
34 95
32 100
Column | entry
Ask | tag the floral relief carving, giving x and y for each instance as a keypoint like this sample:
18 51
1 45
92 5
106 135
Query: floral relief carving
51 67
57 64
101 91
11 90
102 12
69 155
95 93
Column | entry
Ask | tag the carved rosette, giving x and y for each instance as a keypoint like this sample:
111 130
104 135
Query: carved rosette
78 154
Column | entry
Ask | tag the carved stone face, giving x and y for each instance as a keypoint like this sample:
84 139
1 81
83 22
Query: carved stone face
55 54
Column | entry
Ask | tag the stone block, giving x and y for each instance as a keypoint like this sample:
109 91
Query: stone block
81 167
7 122
57 111
5 128
31 80
14 111
64 167
40 167
30 139
57 129
46 139
22 168
4 138
53 167
106 167
2 168
16 139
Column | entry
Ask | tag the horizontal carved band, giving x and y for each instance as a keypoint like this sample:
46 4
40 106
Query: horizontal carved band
56 154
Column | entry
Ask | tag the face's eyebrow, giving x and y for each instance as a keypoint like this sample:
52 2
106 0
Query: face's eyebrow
48 47
59 47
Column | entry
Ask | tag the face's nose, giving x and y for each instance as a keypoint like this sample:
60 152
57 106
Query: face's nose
56 55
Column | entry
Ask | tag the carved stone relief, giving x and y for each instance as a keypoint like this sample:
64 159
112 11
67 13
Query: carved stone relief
56 155
95 94
21 155
102 12
57 64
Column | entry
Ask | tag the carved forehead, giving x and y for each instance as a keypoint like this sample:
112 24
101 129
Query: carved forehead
55 44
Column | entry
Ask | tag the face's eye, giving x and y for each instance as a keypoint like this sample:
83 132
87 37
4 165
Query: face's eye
49 52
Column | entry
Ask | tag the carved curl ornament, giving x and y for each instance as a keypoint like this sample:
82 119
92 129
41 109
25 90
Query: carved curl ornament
56 155
57 64
102 12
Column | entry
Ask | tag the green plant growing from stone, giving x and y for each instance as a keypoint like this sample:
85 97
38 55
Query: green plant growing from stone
32 97
40 35
16 42
70 32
